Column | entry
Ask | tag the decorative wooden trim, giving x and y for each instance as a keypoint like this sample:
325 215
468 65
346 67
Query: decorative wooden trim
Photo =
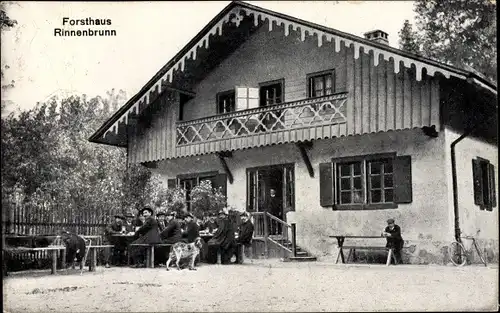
238 13
221 156
194 175
305 157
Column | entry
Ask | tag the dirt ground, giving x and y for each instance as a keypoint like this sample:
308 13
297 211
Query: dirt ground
265 285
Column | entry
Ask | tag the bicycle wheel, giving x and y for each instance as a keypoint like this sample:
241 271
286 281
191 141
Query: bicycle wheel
457 253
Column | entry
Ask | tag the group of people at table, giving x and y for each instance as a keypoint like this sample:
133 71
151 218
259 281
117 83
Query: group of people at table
166 227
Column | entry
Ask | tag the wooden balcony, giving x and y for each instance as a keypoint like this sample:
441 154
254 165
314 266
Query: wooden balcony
315 118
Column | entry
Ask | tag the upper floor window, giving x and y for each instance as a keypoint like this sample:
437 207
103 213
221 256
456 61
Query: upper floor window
226 102
271 93
483 173
366 182
321 84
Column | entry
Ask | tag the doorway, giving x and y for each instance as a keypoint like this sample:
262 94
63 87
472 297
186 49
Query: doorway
271 189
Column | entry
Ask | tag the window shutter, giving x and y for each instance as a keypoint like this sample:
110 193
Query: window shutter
221 181
326 185
493 189
172 183
402 179
477 174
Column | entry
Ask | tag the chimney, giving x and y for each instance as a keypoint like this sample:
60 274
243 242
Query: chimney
378 36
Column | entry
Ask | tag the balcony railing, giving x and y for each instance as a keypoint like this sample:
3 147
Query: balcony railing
296 115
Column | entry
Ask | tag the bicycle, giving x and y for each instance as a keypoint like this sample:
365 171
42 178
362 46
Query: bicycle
459 255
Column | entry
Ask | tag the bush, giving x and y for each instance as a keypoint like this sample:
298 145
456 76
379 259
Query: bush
205 199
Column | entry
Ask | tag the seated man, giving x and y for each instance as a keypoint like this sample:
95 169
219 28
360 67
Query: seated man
160 217
116 227
172 232
245 234
191 230
222 241
129 223
146 234
394 240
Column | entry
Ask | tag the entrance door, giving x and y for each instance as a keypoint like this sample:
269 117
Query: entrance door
271 189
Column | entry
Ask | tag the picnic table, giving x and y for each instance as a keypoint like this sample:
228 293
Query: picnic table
352 248
52 249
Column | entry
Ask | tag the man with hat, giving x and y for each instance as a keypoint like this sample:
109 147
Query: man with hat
129 222
172 232
394 240
146 234
114 228
160 217
245 233
191 230
223 240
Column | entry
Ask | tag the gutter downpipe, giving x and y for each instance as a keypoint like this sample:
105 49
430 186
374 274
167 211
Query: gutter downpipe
454 180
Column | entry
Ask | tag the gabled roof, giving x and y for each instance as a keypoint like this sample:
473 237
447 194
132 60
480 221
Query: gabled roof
234 13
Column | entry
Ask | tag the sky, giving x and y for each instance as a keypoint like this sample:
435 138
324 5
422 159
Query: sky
149 34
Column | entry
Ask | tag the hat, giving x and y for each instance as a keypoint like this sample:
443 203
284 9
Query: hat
222 212
118 216
390 221
161 213
189 215
129 214
244 214
146 208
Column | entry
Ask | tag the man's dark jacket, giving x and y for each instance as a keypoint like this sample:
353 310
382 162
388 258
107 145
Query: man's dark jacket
148 232
192 232
224 236
172 233
245 233
395 240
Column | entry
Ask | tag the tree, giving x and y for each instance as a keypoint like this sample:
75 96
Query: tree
459 32
408 39
6 24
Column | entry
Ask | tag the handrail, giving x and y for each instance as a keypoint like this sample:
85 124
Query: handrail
291 104
277 219
262 227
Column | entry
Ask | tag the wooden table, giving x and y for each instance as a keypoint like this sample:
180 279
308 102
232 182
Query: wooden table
341 247
150 255
53 250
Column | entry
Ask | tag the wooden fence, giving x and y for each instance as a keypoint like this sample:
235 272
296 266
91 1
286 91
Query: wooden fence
26 219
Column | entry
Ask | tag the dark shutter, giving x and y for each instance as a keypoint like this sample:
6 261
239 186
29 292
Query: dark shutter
402 179
221 181
326 185
477 174
492 188
172 183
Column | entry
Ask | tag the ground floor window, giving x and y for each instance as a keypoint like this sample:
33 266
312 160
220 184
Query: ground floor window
366 182
484 184
189 181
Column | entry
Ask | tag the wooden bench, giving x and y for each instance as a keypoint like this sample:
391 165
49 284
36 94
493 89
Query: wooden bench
352 251
150 255
352 248
52 249
92 250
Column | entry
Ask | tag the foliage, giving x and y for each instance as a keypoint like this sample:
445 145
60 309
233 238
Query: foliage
205 199
457 32
6 23
46 154
408 39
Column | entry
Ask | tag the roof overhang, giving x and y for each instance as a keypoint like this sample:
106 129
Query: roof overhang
234 13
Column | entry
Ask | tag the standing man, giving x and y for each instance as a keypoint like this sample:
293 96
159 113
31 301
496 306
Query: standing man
245 234
146 234
274 206
394 240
